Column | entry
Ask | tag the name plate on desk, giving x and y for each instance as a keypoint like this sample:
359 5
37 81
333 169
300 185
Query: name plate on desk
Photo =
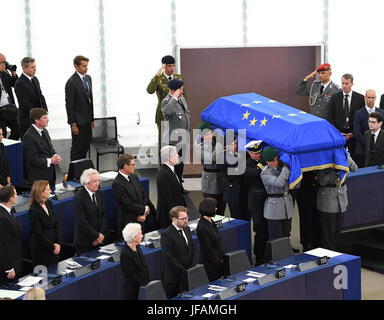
95 264
57 280
230 292
271 277
313 264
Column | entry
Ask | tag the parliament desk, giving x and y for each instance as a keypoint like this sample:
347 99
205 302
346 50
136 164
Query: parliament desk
365 198
339 279
106 282
14 150
63 211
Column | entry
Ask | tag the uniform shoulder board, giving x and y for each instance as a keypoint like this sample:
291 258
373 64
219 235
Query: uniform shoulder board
260 166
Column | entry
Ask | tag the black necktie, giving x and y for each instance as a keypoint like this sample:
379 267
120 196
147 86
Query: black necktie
372 142
321 89
45 137
94 200
346 110
169 78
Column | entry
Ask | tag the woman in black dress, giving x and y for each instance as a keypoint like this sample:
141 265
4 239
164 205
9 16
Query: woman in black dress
132 262
211 250
45 244
4 168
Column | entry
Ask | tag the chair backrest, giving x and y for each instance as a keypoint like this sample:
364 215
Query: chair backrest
153 290
278 249
105 129
77 167
194 277
236 261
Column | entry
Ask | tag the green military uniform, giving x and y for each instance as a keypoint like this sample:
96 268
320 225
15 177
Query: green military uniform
159 84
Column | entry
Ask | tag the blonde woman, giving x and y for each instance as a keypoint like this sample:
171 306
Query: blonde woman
35 294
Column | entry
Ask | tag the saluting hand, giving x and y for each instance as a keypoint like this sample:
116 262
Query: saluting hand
160 70
310 76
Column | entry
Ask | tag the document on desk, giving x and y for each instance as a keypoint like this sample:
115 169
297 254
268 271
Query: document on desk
73 264
216 288
103 257
108 250
255 274
13 294
29 281
320 252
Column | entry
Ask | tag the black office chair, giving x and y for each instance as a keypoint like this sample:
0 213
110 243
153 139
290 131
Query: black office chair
104 138
153 290
236 261
194 277
278 249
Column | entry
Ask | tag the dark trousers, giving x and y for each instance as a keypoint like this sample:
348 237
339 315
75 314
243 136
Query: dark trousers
330 229
171 289
360 160
11 124
279 228
81 142
260 227
221 204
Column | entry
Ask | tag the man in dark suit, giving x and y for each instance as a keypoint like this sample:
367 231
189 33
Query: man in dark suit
360 125
28 93
79 104
342 109
39 155
178 251
169 187
10 237
89 213
6 97
374 140
133 204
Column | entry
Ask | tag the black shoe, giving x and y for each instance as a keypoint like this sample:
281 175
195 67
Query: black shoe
295 250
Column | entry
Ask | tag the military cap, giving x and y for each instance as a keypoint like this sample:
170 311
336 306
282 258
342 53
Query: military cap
324 67
205 125
175 84
269 154
168 60
254 146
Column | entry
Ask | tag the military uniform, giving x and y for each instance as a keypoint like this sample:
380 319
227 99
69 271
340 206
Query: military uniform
234 190
256 199
278 208
318 103
159 84
212 176
332 202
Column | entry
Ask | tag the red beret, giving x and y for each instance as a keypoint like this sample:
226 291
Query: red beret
324 67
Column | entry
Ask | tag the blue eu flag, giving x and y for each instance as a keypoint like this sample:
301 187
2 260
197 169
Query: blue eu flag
304 141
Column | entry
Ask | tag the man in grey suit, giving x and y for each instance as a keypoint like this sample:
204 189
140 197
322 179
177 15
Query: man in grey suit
175 127
79 104
278 208
320 92
331 201
374 140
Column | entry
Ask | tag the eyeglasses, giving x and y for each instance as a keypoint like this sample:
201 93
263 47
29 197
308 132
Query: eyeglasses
183 219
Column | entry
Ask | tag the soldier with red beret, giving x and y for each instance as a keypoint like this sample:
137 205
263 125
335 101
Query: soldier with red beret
320 92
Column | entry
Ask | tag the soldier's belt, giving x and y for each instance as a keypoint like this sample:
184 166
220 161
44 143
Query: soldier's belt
278 195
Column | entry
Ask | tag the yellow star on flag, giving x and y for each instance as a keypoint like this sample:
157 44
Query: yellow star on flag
245 105
303 112
292 115
276 116
256 101
253 122
263 122
245 115
271 101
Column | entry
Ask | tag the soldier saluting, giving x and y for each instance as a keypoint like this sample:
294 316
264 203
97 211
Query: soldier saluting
320 92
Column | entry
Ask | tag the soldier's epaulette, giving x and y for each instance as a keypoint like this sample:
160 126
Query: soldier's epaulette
260 166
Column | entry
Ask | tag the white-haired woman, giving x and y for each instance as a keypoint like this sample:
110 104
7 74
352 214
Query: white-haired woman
132 261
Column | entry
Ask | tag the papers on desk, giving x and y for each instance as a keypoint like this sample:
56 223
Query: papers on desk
73 264
13 294
216 288
103 257
207 295
218 218
320 252
29 281
255 274
108 250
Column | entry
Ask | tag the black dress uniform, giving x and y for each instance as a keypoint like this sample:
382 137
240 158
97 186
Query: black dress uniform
256 199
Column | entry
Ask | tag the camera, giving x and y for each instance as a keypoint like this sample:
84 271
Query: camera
10 67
